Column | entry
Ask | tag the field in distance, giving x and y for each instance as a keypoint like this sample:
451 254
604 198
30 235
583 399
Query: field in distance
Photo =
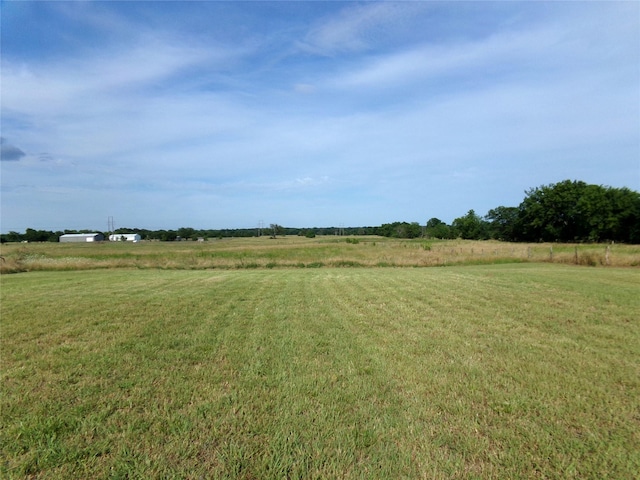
523 370
301 252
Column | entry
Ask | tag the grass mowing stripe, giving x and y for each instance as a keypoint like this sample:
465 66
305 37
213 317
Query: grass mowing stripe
387 373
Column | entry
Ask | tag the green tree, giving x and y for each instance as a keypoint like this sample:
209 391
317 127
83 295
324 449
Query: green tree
276 230
32 235
572 211
436 228
11 237
470 227
186 233
503 223
623 221
551 213
400 230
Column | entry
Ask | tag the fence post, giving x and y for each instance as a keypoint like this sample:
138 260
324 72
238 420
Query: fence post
607 260
551 253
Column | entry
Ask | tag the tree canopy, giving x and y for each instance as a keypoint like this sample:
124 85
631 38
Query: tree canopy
573 211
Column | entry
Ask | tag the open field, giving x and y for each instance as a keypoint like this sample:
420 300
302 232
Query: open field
528 370
300 252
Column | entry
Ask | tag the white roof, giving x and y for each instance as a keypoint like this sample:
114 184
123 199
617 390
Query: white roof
80 234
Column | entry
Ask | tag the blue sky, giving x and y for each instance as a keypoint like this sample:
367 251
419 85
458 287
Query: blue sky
224 115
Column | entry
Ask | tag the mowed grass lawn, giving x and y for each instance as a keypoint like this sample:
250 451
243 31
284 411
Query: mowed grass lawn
498 371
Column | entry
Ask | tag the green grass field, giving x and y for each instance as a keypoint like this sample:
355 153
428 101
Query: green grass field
527 370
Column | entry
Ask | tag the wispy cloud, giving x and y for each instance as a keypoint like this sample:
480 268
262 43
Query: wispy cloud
360 27
376 111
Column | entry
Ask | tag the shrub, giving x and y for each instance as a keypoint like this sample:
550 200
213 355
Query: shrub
588 259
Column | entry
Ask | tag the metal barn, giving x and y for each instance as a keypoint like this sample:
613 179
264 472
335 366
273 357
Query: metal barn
125 237
81 237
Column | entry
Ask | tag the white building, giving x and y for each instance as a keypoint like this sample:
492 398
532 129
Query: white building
125 237
81 237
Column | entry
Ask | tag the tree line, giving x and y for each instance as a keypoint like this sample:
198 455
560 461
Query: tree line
187 233
568 211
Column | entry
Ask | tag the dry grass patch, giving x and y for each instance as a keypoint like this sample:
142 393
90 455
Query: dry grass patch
300 252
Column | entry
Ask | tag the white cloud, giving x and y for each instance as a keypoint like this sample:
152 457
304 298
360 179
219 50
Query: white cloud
36 89
592 41
304 88
175 120
359 27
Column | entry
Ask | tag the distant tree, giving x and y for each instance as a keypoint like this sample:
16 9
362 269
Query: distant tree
571 211
186 233
413 230
612 214
552 213
11 237
503 223
436 228
276 230
624 220
434 222
32 235
167 235
470 227
400 230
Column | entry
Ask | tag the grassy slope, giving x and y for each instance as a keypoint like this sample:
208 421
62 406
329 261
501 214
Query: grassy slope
469 372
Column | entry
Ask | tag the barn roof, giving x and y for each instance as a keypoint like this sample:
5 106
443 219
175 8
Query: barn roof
80 234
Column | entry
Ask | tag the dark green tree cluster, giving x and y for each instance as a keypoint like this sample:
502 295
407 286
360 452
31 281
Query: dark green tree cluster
436 228
568 211
31 235
399 230
573 211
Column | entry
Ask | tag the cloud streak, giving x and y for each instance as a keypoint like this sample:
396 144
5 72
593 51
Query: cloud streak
359 28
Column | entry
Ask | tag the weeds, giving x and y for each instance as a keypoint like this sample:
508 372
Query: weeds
258 253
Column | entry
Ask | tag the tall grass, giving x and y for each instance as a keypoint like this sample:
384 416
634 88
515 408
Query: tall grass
299 252
504 371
